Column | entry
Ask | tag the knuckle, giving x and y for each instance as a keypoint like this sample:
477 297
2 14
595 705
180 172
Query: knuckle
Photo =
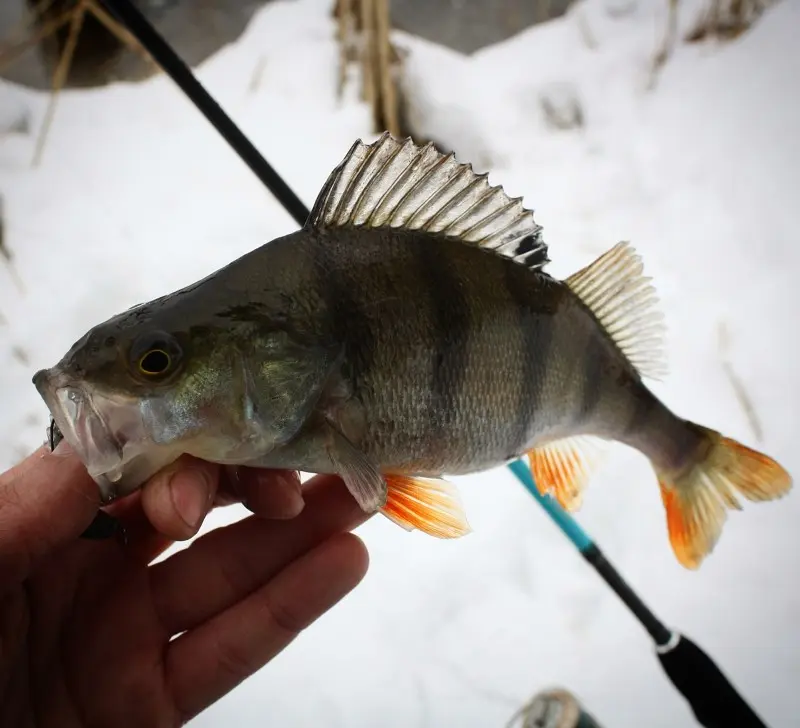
283 616
236 576
233 660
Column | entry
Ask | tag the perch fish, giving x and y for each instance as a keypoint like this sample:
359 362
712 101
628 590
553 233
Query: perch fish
407 331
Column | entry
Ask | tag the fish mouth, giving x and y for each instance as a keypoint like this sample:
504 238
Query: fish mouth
105 431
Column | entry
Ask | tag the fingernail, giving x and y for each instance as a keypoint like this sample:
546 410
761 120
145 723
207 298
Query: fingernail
190 491
289 482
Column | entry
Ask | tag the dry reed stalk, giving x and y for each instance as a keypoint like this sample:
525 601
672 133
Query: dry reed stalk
60 76
386 82
75 16
363 33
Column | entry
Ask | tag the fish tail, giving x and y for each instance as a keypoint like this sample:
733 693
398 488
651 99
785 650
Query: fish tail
701 473
699 495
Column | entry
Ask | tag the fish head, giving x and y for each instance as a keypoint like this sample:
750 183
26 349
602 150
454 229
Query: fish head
132 395
149 385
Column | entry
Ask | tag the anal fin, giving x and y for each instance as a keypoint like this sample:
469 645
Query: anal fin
429 505
563 467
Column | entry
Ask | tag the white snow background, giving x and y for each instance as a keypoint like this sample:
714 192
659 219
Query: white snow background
137 195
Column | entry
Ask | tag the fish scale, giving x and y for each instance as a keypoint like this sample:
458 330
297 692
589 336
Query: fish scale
452 386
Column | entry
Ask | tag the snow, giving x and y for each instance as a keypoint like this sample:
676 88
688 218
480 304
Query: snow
137 195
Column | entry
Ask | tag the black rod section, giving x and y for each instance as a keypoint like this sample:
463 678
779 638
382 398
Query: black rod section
654 626
182 75
714 701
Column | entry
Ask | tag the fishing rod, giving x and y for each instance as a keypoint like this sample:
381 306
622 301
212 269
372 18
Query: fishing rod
712 698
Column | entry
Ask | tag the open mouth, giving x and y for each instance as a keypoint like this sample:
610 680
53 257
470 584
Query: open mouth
105 432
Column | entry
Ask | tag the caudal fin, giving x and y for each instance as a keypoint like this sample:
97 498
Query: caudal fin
432 506
697 500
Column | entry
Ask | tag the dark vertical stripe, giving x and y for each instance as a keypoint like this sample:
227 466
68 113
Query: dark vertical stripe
347 323
644 404
595 359
451 318
537 338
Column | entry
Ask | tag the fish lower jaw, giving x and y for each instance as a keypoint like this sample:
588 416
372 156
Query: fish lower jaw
110 484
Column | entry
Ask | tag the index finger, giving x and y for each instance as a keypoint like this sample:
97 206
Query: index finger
178 498
46 501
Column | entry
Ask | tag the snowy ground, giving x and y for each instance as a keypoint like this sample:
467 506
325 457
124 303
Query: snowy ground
701 173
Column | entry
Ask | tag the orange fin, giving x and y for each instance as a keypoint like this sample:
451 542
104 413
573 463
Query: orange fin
432 506
563 467
697 501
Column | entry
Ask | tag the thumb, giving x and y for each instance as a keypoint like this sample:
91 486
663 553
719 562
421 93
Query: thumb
46 501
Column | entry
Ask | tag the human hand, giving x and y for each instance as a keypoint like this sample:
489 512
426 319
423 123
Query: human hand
87 627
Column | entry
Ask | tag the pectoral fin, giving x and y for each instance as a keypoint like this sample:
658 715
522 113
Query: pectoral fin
359 473
282 381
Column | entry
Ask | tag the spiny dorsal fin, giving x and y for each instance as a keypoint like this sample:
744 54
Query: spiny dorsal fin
403 185
624 302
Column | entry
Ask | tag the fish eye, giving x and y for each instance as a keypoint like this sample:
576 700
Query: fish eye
154 362
155 355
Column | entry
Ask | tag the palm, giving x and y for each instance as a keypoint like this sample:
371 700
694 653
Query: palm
81 627
88 638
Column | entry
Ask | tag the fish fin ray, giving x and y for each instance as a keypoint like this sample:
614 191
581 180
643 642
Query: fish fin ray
360 475
626 304
430 505
696 502
563 468
403 185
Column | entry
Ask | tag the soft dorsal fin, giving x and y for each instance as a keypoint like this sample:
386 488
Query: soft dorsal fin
406 186
625 304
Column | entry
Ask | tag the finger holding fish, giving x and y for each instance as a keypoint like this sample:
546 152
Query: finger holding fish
268 493
46 500
177 500
150 520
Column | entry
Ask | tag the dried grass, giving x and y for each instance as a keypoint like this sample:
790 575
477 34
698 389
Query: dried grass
363 32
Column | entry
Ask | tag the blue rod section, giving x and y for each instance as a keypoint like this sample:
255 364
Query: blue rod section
592 553
563 520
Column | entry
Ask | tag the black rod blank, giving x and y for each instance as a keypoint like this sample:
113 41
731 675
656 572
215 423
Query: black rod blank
181 74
